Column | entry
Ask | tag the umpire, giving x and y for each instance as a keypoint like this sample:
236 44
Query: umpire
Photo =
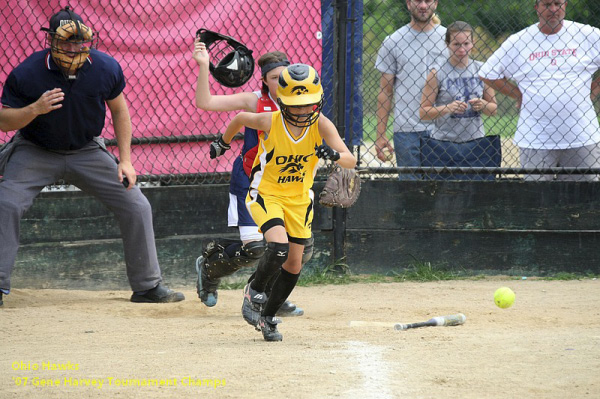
57 99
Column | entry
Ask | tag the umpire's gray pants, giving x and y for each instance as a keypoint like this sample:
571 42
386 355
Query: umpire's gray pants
94 171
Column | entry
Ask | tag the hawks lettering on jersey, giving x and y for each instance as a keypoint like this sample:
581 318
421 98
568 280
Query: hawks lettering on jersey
293 167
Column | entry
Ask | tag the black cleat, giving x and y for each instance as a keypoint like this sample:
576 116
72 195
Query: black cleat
1 302
268 326
158 294
205 287
252 306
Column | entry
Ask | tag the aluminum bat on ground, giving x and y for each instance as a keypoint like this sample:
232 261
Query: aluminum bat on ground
449 320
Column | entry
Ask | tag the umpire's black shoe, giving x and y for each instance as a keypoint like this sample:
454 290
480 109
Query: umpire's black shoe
158 294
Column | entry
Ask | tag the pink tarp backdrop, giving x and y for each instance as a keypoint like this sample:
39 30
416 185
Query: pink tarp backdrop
153 40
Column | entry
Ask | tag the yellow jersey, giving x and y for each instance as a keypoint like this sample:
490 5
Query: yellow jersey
285 165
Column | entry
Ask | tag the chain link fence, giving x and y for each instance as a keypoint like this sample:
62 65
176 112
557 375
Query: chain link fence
153 42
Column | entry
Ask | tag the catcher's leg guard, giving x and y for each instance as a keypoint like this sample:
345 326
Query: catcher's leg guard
225 257
308 251
222 258
253 250
205 287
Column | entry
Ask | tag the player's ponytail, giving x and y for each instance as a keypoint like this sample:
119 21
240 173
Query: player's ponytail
436 19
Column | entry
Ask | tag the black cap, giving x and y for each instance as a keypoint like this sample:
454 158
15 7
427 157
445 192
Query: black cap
61 18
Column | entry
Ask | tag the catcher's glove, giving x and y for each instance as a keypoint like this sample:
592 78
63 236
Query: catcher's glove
341 189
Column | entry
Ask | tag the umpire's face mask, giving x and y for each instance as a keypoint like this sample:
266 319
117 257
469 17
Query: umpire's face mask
70 46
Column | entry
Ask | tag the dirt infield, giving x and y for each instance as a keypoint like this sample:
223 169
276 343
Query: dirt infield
546 346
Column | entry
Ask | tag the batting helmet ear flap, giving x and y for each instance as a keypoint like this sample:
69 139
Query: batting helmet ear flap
234 62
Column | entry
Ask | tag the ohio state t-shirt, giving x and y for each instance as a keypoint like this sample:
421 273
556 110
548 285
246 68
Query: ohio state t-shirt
554 73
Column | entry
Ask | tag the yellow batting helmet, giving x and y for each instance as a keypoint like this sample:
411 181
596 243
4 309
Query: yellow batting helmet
300 86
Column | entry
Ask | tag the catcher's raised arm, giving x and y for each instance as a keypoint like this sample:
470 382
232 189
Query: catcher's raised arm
330 134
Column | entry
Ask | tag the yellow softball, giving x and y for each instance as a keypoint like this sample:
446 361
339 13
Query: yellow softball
504 297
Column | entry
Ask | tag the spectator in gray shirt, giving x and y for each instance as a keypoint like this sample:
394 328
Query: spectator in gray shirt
454 96
404 59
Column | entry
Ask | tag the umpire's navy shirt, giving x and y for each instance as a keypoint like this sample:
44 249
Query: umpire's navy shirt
83 110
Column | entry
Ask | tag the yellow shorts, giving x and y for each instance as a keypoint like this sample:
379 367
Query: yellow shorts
294 213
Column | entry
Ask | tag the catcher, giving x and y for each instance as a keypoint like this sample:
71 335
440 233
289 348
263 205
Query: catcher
280 198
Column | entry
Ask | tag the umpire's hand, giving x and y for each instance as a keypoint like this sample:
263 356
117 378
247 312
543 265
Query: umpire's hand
218 147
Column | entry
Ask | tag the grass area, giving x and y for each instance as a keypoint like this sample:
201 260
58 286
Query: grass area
426 271
370 127
570 276
339 273
504 126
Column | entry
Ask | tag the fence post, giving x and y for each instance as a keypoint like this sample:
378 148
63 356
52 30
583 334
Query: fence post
339 214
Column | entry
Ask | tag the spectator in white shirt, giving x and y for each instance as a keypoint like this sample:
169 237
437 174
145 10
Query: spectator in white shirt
552 64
